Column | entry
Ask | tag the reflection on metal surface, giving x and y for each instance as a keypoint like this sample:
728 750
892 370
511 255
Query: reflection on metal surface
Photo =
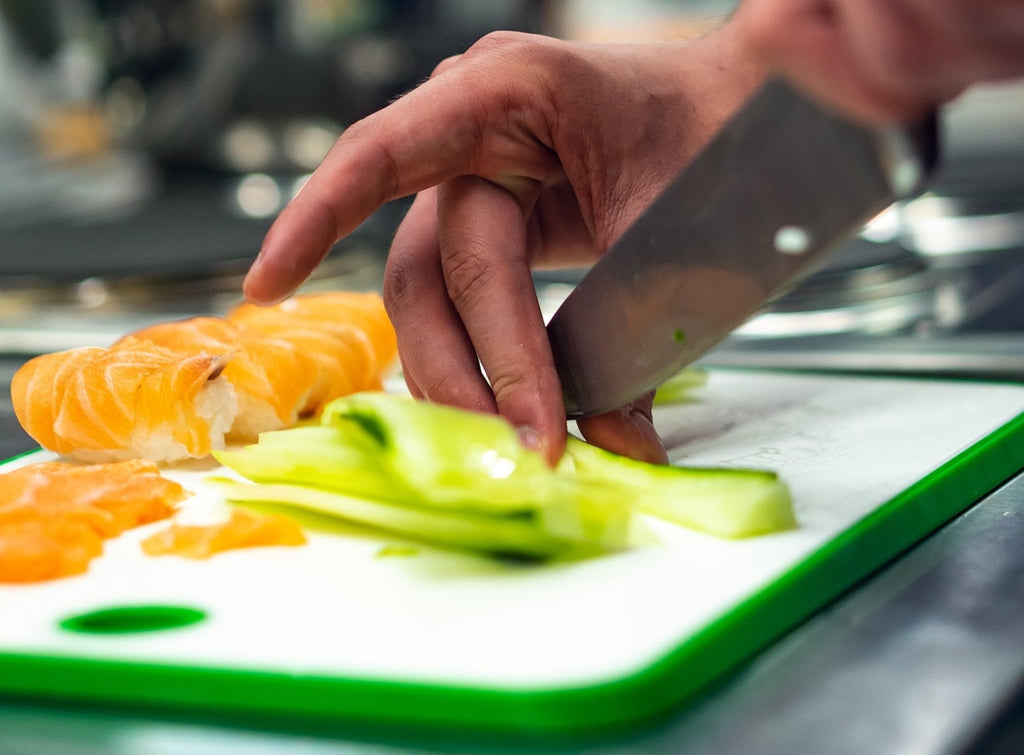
951 230
866 287
883 316
973 355
46 316
791 239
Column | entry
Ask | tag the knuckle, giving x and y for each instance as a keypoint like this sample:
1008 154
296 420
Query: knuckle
388 177
509 384
445 65
331 220
450 392
363 136
499 40
400 276
468 275
500 47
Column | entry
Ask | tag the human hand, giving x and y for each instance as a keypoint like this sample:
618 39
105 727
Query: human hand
525 152
887 60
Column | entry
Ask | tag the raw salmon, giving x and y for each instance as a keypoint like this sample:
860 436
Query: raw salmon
243 529
271 376
181 389
54 516
362 309
348 332
134 401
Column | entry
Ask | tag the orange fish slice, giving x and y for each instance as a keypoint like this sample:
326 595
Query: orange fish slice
33 551
363 311
129 402
348 331
54 515
242 530
271 376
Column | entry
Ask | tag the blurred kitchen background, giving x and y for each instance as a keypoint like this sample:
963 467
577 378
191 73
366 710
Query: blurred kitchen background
146 145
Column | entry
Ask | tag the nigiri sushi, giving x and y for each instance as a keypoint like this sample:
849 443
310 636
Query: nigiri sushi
348 332
273 378
138 401
362 309
181 389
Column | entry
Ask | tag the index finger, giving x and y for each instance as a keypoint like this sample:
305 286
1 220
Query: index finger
418 141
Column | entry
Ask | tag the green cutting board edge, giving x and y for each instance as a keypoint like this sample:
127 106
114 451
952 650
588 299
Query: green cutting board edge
334 634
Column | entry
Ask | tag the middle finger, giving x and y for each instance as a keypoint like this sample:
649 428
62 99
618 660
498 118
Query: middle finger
483 245
438 360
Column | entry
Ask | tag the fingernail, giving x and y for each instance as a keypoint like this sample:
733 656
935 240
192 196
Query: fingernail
529 437
253 285
255 265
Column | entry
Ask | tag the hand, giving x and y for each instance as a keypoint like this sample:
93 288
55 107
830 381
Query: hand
886 60
525 152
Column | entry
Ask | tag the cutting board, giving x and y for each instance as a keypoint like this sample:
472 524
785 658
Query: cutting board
350 629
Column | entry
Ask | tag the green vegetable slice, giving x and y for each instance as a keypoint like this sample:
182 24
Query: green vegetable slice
336 457
521 536
727 502
463 479
680 386
460 459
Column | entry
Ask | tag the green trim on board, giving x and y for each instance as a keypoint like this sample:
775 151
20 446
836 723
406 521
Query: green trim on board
614 706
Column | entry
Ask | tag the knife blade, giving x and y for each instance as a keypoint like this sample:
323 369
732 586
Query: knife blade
779 186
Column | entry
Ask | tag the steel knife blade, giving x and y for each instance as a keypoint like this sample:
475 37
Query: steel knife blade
780 185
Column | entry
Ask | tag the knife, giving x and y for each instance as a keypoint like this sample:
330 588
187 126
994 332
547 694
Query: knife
781 184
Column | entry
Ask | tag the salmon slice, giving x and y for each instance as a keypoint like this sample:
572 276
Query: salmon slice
348 332
243 529
54 516
363 310
34 551
271 376
181 389
135 401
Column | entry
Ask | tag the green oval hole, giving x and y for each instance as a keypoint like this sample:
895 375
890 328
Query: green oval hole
132 619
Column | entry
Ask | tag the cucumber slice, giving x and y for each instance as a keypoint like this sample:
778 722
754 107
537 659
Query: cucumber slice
504 536
333 458
463 479
462 460
727 502
680 387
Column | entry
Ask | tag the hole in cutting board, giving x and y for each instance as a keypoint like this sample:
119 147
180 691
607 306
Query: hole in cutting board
132 619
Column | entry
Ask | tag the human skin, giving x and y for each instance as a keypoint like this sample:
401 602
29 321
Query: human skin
524 152
887 60
528 152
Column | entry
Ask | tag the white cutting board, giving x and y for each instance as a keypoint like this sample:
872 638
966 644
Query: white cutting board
336 608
